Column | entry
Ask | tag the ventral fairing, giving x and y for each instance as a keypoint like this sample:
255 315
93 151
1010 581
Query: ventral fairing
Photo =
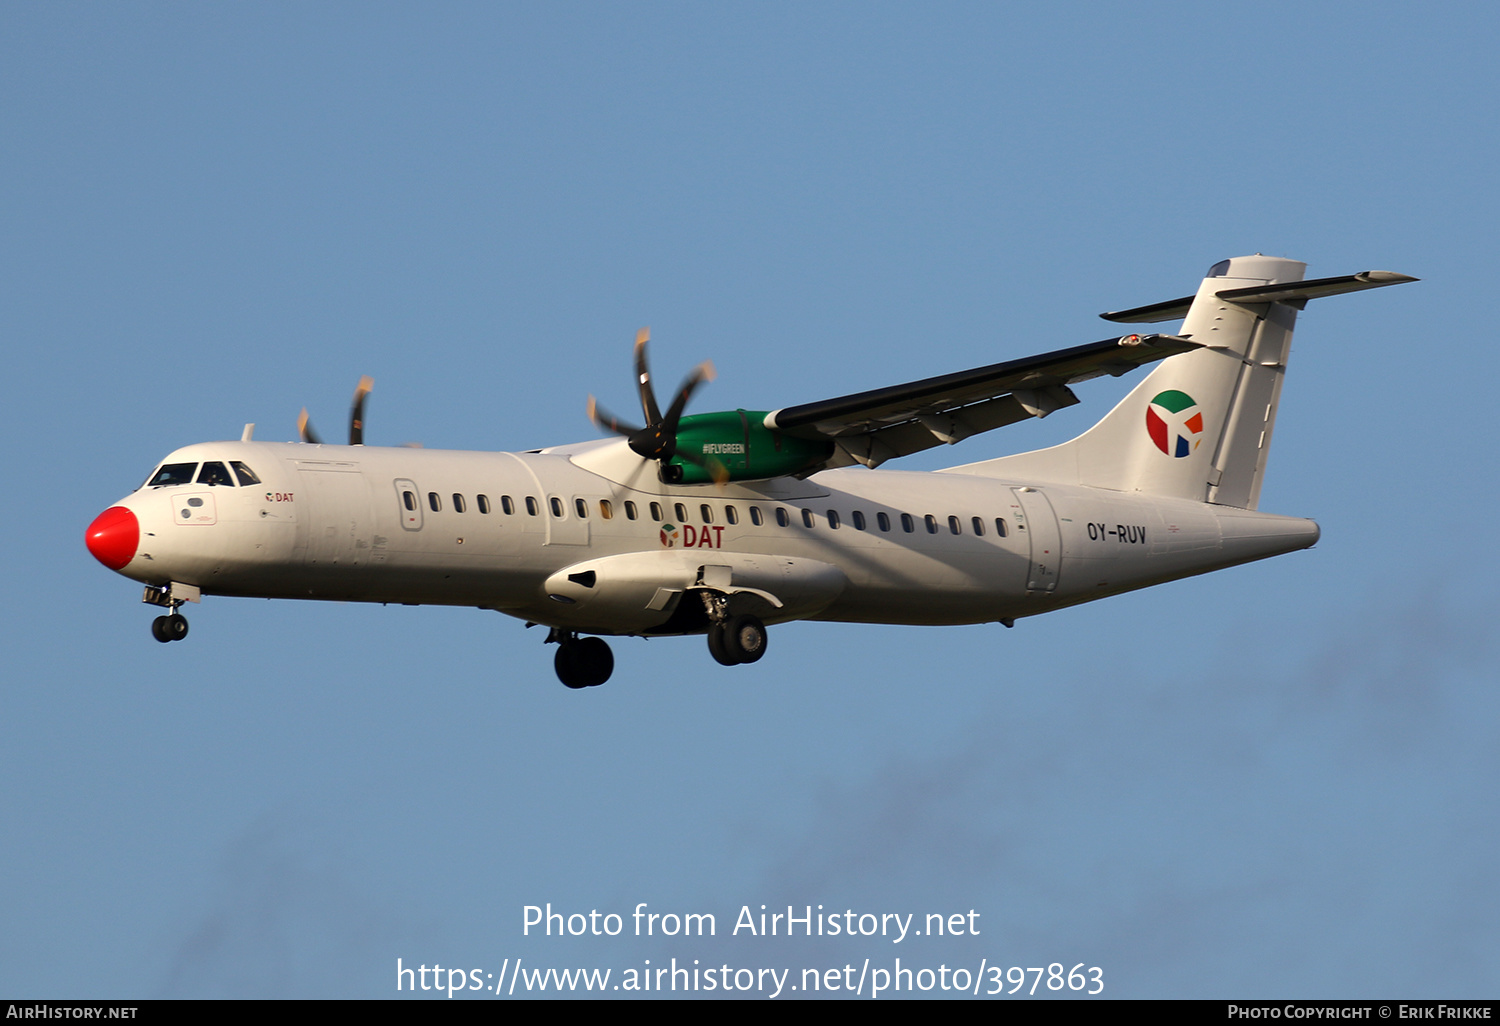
721 524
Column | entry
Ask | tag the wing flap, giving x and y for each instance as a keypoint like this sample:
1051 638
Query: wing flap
873 448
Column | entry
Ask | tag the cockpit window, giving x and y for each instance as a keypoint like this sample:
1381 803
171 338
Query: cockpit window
215 473
246 475
173 474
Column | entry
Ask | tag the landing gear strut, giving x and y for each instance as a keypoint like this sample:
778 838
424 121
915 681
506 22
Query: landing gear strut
581 662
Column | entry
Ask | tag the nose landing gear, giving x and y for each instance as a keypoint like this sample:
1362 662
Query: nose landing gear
169 628
173 626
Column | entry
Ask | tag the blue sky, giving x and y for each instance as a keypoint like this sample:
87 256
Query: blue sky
1271 781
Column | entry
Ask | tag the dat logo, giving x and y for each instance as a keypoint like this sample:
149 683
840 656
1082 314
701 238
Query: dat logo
1175 423
707 537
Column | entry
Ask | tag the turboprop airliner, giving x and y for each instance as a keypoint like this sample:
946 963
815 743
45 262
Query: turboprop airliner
719 524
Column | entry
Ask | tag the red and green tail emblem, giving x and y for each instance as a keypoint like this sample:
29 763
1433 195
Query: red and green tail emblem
1175 423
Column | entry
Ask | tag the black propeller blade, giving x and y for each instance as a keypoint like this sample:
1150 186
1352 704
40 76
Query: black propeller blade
356 416
305 429
658 439
357 411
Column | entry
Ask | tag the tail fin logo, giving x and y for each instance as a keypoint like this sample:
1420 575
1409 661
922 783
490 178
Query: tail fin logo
1175 423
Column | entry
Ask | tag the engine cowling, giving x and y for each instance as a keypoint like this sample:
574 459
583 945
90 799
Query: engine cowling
739 442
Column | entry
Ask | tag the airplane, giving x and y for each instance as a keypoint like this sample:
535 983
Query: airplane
720 524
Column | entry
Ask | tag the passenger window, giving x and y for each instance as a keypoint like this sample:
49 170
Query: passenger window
246 475
410 500
859 520
681 513
582 508
807 518
173 474
606 510
755 516
731 514
484 503
954 527
459 505
884 521
532 509
1000 526
907 524
557 506
630 510
656 511
708 514
931 522
781 518
435 502
978 527
833 519
507 506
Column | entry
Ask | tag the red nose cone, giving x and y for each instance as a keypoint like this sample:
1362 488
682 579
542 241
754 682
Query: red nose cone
113 537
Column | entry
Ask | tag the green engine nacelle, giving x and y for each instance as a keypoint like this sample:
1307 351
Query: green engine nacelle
741 443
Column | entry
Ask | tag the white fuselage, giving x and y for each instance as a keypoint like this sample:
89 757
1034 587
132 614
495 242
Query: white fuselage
555 537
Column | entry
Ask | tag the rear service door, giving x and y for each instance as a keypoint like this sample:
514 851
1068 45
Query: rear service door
1039 522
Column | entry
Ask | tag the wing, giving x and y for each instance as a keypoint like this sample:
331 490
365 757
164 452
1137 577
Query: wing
872 427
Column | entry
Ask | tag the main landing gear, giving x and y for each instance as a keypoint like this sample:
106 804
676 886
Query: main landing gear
740 639
581 662
732 640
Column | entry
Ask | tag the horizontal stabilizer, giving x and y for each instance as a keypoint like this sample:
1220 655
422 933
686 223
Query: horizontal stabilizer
1298 292
1302 291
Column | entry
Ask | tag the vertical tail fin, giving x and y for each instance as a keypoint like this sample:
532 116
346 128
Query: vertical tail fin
1199 426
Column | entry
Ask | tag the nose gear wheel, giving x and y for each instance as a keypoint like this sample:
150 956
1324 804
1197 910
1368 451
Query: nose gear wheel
169 628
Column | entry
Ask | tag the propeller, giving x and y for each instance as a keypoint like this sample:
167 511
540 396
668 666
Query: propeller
658 439
356 416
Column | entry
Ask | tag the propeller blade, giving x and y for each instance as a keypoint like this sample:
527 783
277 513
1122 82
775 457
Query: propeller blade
357 410
701 373
602 417
643 379
305 429
713 465
658 439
